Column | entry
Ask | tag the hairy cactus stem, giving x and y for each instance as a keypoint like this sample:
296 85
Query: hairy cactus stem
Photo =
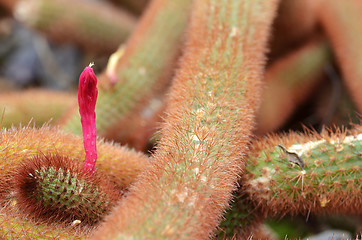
275 186
121 165
141 73
96 27
39 106
289 81
13 225
53 188
205 135
296 21
340 20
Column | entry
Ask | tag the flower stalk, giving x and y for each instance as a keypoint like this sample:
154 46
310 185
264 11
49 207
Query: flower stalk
87 98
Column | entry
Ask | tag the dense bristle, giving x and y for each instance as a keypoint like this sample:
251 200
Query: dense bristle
13 225
329 183
209 120
56 187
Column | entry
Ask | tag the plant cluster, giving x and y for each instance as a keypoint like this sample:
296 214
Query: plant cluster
222 77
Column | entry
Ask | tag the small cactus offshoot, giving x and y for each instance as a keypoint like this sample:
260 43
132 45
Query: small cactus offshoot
55 187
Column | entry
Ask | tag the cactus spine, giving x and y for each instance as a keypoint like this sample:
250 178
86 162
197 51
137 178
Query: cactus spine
212 104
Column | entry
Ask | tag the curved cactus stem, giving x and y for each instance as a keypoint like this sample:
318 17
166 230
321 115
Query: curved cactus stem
210 117
95 27
274 186
341 20
143 71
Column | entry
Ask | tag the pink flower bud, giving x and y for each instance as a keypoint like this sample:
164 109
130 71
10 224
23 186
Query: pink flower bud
87 98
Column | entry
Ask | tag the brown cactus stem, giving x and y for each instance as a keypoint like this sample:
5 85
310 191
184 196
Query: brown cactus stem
38 106
289 82
95 27
135 6
205 135
273 186
55 188
13 225
146 123
295 22
341 21
120 165
143 71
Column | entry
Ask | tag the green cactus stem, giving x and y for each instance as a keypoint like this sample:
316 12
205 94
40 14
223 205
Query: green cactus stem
117 165
55 188
121 165
37 106
341 21
143 71
13 225
273 186
204 139
95 27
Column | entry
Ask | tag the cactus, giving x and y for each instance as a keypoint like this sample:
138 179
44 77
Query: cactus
340 20
117 167
13 225
291 28
135 6
210 114
19 144
182 192
142 72
36 105
289 81
56 188
332 166
273 185
95 27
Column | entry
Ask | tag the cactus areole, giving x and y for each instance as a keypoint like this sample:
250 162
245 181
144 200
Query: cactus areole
87 97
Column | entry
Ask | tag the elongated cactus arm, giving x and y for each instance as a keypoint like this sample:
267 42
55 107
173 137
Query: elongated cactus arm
289 82
210 117
41 172
143 71
13 225
341 21
272 185
36 105
95 27
120 164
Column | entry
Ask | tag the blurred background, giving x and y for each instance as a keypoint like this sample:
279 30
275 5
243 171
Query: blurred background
48 43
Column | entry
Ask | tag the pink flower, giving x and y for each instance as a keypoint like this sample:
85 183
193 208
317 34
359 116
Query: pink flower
87 98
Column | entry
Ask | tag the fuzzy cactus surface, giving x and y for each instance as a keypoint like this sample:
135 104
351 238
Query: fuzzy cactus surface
96 28
292 77
274 186
211 107
143 71
19 144
211 173
38 106
55 188
345 40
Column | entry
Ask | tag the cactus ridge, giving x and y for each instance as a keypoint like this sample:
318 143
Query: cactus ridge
53 187
332 165
57 187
